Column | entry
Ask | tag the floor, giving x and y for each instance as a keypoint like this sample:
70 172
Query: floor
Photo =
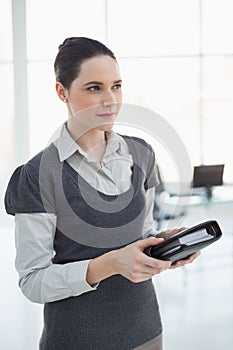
196 302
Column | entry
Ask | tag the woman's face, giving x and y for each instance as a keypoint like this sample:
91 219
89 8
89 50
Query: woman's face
95 95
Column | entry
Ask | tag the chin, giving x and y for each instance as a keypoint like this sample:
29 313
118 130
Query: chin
106 127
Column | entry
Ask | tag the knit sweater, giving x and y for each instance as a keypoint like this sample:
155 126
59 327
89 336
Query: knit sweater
120 314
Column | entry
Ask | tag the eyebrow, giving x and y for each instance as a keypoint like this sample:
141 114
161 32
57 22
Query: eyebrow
99 83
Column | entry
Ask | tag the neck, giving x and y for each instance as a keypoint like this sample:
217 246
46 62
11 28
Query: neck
86 139
92 142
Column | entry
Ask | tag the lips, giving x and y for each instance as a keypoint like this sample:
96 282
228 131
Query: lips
106 115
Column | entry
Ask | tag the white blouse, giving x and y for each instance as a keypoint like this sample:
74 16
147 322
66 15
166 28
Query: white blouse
42 281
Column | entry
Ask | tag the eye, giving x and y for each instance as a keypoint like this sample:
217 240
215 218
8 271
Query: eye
93 88
116 86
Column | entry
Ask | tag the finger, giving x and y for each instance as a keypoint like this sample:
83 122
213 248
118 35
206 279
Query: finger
177 264
156 263
196 255
150 271
178 230
154 271
147 242
188 260
145 276
180 263
152 262
146 273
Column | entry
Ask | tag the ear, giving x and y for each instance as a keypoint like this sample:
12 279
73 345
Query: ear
61 92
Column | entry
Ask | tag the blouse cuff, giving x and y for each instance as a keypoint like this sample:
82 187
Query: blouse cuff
79 284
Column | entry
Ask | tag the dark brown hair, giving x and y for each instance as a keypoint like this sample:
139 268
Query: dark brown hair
72 53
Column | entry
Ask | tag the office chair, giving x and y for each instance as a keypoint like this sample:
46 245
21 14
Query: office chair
164 208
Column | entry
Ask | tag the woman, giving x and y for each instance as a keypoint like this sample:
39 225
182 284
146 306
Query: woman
83 209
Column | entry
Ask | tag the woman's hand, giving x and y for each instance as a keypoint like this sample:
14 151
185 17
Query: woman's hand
132 263
185 261
169 233
135 265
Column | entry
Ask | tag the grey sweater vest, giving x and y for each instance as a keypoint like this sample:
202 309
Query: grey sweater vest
119 315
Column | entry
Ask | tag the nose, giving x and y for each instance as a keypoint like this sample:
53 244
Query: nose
109 99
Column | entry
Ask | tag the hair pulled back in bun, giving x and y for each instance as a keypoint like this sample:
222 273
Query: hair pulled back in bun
72 53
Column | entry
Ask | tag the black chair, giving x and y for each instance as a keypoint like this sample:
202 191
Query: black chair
164 209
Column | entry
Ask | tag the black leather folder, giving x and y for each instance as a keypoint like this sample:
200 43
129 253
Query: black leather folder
186 242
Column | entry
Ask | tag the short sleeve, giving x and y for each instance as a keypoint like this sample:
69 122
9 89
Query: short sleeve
151 173
144 156
23 194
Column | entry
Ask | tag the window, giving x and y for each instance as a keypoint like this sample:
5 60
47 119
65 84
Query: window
60 20
7 98
176 58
